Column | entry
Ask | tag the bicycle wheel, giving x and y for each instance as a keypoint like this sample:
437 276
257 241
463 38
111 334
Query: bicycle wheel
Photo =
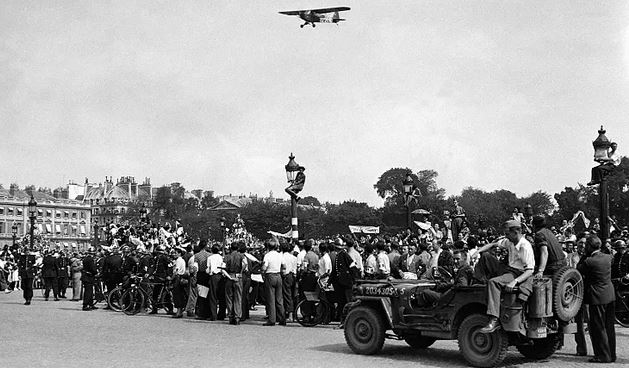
131 301
310 313
622 309
113 299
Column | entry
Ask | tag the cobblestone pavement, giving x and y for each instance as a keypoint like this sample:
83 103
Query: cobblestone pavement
59 334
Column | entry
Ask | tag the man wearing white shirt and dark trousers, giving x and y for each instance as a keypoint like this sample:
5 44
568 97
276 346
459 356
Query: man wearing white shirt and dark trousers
271 267
499 276
289 274
214 264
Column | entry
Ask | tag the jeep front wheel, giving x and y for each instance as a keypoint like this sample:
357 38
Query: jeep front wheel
481 349
419 342
364 330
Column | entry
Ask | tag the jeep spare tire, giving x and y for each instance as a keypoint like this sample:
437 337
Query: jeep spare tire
568 291
364 330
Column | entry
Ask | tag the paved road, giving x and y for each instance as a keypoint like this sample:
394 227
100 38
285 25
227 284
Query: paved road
59 334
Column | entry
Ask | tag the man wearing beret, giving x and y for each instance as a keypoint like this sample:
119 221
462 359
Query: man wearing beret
499 276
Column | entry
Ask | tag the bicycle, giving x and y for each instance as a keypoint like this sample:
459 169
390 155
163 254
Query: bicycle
314 308
621 288
114 297
139 296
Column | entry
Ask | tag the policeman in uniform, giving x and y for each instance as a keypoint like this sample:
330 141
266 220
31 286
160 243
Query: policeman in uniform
88 277
63 265
27 269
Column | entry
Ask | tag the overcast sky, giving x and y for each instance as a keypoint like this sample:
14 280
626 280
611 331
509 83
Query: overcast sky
217 94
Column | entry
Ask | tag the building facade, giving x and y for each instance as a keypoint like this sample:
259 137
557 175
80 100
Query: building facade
64 222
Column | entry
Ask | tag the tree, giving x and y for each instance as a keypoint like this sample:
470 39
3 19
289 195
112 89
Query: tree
389 185
310 200
340 216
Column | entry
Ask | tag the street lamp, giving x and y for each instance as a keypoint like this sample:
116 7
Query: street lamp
14 231
407 184
601 148
32 214
292 168
95 235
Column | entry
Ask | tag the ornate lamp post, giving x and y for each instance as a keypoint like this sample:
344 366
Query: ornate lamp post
407 184
14 232
292 168
223 225
32 215
95 235
601 148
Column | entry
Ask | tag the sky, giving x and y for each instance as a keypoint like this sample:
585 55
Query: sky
217 94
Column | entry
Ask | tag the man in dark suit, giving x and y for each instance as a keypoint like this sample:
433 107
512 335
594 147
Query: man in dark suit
410 262
342 277
88 277
599 294
49 273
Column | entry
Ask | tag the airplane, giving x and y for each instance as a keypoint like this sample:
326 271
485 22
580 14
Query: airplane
312 16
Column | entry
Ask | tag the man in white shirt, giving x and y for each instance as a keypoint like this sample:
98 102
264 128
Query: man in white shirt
289 277
271 267
384 263
499 276
214 264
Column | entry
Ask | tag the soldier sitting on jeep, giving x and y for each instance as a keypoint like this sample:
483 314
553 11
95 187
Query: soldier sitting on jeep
463 275
498 275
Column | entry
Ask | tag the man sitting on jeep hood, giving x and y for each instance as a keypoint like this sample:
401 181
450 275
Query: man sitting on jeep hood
519 270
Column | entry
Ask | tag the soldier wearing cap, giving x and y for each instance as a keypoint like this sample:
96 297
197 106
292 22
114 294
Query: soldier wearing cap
498 275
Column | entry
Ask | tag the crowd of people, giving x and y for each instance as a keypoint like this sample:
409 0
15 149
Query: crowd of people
214 280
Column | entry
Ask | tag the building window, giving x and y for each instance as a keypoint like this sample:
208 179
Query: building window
48 228
1 210
66 214
20 212
10 211
82 214
57 214
58 229
40 213
48 213
2 228
73 230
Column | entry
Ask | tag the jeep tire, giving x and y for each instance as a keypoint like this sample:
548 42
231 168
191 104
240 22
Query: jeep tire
480 349
541 348
419 342
568 291
364 330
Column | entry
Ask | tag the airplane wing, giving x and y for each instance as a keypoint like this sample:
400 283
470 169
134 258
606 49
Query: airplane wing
318 11
330 10
292 12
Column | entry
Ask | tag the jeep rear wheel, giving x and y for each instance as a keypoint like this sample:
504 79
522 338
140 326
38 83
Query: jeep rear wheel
419 342
364 330
541 348
481 349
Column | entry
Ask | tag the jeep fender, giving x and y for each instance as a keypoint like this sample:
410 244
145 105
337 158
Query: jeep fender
382 305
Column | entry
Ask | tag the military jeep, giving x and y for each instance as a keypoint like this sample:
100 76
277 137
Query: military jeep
534 327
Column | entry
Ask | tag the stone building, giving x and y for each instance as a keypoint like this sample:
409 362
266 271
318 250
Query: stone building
62 221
